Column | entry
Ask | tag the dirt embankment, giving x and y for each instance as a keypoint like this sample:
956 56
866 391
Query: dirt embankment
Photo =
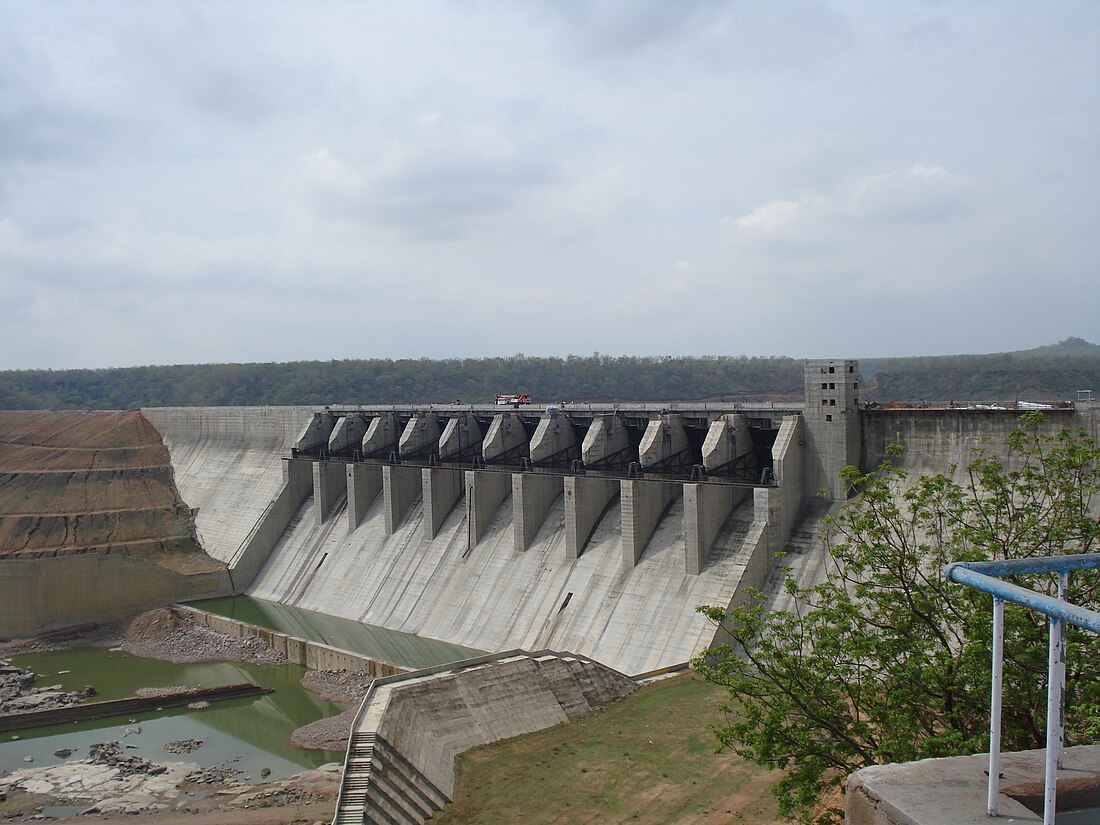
92 482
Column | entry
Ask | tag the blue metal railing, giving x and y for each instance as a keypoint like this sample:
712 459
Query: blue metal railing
982 575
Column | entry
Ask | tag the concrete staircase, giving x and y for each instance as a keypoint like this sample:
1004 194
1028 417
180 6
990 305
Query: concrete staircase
433 715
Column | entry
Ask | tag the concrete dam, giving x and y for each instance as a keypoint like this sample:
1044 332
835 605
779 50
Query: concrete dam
594 529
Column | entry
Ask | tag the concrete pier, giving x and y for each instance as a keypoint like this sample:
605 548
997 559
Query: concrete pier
381 437
532 496
461 438
329 487
606 441
706 508
644 502
485 491
400 487
728 440
442 490
506 439
315 433
347 435
364 484
420 437
554 442
664 440
586 500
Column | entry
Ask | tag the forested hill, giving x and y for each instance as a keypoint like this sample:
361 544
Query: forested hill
1043 374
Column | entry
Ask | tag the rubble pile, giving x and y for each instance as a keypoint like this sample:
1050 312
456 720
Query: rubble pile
111 755
17 695
183 745
345 687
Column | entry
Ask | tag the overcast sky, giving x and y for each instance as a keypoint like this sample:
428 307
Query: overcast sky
233 181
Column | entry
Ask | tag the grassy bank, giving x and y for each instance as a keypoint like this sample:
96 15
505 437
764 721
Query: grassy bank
647 759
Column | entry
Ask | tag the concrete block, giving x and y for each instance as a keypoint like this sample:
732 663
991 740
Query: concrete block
442 490
400 488
664 439
505 440
554 441
314 435
586 500
460 439
381 436
420 437
364 483
329 487
706 508
347 435
257 546
644 502
728 439
606 439
532 496
485 491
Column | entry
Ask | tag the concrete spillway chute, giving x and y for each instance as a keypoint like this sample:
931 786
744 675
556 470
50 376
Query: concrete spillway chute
381 436
315 434
461 438
554 443
506 440
347 435
421 436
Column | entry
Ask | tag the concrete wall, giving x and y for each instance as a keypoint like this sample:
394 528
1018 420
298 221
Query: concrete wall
442 490
706 508
401 486
257 545
298 651
485 492
936 439
644 503
586 502
330 485
532 497
410 729
227 463
364 483
40 595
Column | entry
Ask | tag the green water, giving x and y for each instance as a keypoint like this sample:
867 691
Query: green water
247 734
401 649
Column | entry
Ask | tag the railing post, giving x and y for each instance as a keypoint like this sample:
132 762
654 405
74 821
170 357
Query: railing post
1063 585
995 706
1054 721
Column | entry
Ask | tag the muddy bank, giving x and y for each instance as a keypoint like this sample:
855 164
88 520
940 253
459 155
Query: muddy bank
344 687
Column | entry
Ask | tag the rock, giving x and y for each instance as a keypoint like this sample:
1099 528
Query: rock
265 772
64 753
28 758
89 690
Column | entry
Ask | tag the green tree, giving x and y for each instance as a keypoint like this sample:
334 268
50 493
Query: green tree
887 661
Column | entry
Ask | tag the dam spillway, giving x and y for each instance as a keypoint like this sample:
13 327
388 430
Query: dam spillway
591 528
443 569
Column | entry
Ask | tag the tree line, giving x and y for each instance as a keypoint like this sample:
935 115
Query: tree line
596 377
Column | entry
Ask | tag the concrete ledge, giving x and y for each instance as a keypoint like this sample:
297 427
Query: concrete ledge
329 487
953 791
485 492
644 503
586 501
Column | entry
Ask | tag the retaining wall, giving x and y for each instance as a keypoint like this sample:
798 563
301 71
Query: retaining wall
308 654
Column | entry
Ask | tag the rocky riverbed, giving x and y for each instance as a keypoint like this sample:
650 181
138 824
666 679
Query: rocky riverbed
111 782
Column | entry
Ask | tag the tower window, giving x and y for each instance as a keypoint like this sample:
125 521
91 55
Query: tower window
832 370
828 418
832 402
